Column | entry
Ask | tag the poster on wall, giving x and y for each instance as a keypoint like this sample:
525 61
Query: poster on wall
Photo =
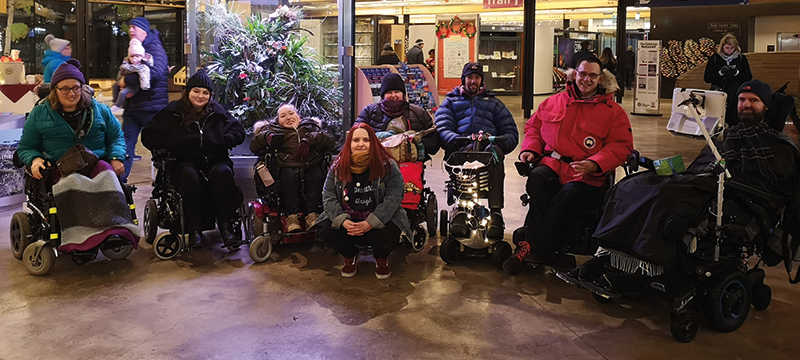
648 79
456 54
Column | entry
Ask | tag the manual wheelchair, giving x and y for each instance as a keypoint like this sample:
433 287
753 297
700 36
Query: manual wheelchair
164 210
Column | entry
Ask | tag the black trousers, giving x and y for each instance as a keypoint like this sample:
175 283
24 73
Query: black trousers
290 185
497 178
553 207
212 190
383 241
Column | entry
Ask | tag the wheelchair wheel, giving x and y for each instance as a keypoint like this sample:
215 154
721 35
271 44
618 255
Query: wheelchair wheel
450 250
261 248
19 234
728 300
118 253
39 258
431 209
762 296
419 239
150 221
258 226
167 245
683 327
500 253
444 224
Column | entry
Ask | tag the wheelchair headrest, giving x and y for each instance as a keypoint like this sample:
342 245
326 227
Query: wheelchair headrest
783 109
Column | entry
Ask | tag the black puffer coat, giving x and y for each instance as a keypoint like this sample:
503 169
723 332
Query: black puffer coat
203 144
416 116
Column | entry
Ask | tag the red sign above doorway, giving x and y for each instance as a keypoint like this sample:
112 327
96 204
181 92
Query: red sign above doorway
494 4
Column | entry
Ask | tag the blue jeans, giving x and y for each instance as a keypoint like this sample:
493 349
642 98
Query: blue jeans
132 124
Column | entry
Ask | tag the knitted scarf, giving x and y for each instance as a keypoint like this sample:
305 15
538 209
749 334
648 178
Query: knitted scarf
729 58
393 108
359 162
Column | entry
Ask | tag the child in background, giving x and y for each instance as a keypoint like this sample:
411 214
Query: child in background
137 62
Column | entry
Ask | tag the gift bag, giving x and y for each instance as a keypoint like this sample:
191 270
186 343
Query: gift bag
412 184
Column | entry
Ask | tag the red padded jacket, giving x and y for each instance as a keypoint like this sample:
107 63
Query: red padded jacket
595 129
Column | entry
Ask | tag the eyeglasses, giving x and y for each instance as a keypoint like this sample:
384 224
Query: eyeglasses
591 75
66 90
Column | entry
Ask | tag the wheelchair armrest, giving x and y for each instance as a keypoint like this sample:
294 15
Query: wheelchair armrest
748 191
524 168
635 161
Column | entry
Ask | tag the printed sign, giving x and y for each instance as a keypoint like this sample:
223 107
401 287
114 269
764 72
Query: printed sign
456 54
494 4
648 78
717 30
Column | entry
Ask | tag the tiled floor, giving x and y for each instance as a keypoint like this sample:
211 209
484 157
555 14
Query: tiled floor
216 305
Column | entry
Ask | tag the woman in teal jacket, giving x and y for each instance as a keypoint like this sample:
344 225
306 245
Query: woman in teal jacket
69 116
60 50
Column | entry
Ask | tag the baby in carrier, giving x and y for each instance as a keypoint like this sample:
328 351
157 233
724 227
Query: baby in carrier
137 62
300 145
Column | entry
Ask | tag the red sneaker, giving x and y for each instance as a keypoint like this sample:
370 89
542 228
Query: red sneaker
382 270
350 267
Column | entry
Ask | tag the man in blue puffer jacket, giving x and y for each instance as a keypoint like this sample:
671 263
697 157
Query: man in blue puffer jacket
466 110
145 103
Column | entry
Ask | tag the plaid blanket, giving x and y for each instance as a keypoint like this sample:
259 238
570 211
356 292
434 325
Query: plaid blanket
91 209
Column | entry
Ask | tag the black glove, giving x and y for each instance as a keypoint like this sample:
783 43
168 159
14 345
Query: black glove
275 140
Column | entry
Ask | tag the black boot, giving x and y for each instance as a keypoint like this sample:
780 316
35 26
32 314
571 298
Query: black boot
229 238
497 226
460 227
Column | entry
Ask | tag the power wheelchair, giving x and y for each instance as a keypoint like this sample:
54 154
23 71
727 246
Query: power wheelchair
36 235
719 255
164 210
266 218
466 186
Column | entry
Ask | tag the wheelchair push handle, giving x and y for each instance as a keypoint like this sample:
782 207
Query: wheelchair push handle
481 136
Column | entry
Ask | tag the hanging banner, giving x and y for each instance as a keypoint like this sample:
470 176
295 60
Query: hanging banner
647 94
456 54
682 3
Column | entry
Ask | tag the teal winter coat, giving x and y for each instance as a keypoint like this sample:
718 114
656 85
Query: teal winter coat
47 135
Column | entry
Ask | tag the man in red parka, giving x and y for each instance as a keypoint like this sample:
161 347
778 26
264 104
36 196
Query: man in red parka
576 137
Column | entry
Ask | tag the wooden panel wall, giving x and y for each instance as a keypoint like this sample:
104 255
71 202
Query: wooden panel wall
775 69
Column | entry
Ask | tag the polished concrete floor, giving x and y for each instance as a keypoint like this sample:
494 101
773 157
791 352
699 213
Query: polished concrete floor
216 305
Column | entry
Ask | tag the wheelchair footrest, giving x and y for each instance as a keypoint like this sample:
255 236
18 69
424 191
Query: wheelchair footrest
588 285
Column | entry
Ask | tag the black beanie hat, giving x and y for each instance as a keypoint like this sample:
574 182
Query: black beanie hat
199 79
471 68
761 89
392 81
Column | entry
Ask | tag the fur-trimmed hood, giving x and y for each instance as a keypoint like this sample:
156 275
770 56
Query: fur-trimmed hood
609 82
263 125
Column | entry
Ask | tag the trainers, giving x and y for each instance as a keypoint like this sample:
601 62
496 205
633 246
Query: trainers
514 264
118 111
497 227
293 223
382 270
311 218
459 227
350 267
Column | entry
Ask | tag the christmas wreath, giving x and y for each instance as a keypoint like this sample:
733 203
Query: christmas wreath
455 26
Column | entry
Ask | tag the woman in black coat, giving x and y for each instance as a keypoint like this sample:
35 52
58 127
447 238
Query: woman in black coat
197 131
395 113
726 71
